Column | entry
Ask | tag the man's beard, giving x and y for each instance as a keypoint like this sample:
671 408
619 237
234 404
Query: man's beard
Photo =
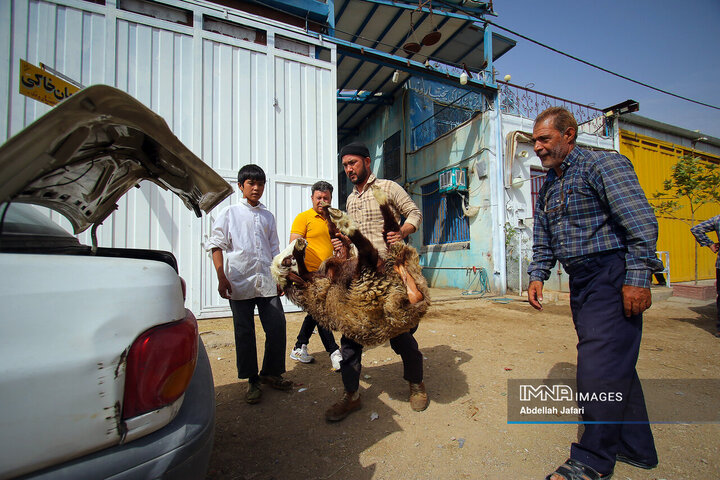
360 178
555 155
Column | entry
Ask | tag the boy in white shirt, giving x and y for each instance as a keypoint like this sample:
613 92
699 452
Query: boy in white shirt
247 233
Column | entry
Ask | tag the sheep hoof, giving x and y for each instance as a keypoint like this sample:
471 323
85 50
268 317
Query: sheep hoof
414 295
342 221
300 244
379 195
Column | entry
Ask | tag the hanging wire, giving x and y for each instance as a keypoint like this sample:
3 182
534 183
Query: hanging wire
577 59
525 37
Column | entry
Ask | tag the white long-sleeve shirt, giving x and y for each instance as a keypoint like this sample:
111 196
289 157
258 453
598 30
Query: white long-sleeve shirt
248 237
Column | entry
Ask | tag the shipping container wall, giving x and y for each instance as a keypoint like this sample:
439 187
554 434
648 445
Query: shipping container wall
235 88
653 160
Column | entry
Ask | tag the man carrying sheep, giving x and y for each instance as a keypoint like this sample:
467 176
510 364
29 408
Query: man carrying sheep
364 209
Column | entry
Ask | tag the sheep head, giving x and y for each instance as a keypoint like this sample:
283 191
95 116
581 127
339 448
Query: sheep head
285 263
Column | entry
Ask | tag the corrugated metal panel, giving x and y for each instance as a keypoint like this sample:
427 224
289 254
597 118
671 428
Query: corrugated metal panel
653 160
224 97
301 109
236 107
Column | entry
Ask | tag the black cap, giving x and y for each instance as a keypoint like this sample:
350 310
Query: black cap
355 148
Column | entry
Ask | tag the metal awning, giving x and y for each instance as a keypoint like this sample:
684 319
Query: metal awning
370 35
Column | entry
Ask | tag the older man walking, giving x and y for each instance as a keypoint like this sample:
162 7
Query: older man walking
594 218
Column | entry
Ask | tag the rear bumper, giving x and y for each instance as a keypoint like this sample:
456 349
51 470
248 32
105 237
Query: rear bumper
179 451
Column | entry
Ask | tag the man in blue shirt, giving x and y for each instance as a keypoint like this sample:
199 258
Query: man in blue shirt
593 217
700 232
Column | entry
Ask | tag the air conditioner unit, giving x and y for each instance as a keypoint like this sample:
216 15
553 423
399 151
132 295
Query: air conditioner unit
452 180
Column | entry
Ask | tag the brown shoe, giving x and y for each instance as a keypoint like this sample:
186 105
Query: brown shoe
276 381
254 393
343 408
418 397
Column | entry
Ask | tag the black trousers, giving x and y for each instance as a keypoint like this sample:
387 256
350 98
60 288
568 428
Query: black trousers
306 331
404 345
272 319
608 347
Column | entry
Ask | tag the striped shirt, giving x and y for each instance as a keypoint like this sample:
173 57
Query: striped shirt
596 206
365 210
700 230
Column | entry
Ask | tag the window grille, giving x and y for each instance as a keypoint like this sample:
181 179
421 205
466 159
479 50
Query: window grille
392 157
443 218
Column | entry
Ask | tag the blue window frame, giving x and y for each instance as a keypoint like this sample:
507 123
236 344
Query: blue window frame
444 220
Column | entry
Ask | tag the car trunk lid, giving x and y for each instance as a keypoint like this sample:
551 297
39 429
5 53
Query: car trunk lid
87 152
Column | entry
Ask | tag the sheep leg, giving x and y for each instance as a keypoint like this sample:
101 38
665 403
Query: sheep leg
299 255
293 277
390 223
335 232
414 295
367 254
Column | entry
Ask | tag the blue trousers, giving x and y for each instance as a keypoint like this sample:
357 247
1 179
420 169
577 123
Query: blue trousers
272 318
608 347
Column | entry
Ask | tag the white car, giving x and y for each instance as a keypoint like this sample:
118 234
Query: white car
102 371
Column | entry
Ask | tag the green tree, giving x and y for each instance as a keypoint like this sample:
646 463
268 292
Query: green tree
693 179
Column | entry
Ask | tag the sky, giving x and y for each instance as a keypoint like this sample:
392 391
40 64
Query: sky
671 45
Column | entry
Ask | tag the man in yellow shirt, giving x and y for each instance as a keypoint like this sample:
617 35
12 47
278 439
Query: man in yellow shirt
313 228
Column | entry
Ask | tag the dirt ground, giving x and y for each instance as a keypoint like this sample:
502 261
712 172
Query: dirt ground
472 346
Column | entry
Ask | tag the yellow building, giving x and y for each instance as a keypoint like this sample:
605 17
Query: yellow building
653 148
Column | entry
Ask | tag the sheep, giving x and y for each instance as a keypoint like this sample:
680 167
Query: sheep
368 299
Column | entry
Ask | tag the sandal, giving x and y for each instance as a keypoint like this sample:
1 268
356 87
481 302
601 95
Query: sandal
574 470
635 463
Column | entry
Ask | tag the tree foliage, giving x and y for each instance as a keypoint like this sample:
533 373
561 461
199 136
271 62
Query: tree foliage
693 179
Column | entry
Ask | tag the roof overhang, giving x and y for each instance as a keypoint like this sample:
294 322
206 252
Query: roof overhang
370 35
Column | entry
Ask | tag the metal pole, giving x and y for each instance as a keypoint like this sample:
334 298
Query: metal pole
520 261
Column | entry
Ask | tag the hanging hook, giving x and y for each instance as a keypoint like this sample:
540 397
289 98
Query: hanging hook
434 36
412 48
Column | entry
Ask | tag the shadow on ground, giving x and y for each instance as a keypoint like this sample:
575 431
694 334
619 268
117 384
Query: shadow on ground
706 319
310 447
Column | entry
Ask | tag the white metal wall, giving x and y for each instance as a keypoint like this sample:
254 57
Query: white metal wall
229 100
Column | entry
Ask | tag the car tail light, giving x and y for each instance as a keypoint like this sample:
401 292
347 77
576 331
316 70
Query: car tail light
160 364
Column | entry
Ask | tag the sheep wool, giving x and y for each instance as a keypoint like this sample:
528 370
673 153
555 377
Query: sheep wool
368 304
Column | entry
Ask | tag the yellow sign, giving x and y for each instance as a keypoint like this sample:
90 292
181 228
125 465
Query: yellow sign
43 86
